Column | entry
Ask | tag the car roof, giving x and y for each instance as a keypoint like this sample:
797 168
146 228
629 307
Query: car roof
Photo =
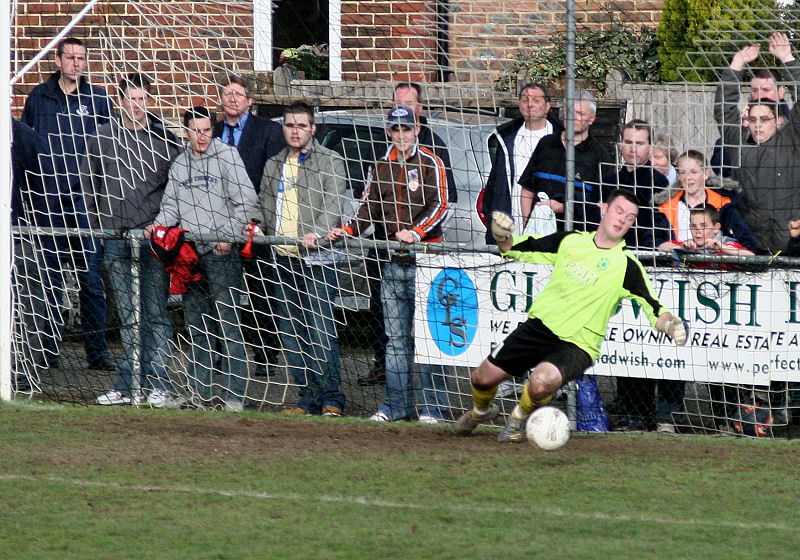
439 119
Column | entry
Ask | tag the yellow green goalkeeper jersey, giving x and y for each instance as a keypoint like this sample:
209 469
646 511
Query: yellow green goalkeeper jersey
586 285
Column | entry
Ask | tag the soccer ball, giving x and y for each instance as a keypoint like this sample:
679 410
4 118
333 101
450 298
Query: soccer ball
547 428
753 420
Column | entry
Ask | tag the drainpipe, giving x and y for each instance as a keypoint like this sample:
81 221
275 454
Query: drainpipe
442 40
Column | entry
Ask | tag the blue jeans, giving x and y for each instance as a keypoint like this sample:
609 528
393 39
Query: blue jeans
89 265
152 330
214 331
304 297
397 296
35 331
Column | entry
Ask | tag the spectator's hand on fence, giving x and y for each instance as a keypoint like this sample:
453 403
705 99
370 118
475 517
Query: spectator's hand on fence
794 228
335 234
405 236
690 245
714 244
502 225
148 231
222 248
780 48
255 227
745 56
310 241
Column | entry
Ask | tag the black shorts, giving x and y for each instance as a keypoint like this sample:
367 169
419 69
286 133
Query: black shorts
532 343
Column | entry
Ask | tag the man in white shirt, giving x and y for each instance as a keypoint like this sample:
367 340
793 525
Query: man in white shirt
516 141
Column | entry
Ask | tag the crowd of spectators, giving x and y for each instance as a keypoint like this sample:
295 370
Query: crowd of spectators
121 169
741 204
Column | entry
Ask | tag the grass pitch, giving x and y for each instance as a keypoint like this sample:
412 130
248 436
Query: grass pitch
122 483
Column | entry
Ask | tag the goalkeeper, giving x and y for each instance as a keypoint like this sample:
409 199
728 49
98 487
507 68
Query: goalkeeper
567 323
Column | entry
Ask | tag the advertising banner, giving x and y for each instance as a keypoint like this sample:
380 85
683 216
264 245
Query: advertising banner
744 326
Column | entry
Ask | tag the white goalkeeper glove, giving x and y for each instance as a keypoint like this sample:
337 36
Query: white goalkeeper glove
502 224
676 329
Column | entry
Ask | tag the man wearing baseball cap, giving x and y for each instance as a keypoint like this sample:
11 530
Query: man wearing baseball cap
408 189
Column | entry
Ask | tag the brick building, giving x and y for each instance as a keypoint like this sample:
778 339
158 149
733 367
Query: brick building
185 44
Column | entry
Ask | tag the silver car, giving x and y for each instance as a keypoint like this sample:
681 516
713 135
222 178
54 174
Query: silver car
360 136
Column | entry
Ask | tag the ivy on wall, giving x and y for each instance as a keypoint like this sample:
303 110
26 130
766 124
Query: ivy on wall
597 52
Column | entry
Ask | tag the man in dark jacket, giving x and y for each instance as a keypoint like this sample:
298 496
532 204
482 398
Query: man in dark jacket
124 175
512 145
257 140
766 150
67 110
637 175
35 287
546 171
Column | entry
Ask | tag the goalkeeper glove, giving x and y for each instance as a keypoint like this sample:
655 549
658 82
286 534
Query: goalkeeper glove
502 225
677 330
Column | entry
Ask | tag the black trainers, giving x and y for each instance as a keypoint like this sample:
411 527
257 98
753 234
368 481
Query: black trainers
103 363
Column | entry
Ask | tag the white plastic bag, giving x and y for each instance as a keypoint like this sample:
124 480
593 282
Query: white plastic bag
542 220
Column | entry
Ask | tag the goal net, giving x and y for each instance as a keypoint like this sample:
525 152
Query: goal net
308 325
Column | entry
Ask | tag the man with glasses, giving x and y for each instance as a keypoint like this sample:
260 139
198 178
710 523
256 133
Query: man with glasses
256 139
764 84
766 150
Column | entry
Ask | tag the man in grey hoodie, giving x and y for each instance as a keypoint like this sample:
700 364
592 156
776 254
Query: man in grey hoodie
210 194
123 178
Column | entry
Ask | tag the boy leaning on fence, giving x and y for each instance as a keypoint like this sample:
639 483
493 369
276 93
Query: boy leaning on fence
302 193
209 194
408 194
593 272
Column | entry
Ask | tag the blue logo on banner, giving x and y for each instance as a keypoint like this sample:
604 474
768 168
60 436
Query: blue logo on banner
453 311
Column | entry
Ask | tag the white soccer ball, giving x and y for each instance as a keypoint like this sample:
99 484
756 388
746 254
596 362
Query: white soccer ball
547 428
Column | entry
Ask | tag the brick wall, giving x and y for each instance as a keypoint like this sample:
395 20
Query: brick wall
180 45
184 44
396 40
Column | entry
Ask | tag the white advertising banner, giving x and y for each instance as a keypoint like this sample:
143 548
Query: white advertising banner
744 326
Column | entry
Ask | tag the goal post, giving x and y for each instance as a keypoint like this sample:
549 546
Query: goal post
6 254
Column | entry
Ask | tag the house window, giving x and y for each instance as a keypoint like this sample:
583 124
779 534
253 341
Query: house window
294 23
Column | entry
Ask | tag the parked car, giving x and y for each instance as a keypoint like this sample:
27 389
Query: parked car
360 136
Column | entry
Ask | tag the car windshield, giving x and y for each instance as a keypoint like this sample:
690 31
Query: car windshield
360 146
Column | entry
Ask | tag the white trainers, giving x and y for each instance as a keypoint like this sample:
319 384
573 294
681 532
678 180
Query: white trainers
232 405
666 428
380 416
159 398
428 419
114 397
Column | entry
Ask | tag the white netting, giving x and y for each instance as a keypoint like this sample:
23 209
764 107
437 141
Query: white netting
267 332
